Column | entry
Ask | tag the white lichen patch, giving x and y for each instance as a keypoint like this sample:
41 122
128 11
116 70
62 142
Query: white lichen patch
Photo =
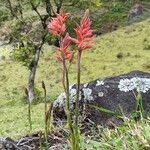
70 87
99 83
87 94
135 83
73 93
61 100
107 86
126 85
85 85
100 94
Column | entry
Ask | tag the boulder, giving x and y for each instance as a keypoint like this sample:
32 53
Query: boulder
25 143
110 26
7 144
112 93
135 11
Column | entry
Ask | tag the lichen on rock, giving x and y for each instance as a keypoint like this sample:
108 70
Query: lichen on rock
87 92
100 94
99 83
135 83
61 99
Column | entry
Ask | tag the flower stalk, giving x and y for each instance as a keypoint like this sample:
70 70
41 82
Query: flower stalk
77 137
68 112
84 36
29 112
57 27
45 112
40 140
29 116
139 110
49 118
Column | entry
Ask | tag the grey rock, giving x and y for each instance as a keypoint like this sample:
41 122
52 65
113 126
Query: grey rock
135 11
110 26
8 144
2 144
111 93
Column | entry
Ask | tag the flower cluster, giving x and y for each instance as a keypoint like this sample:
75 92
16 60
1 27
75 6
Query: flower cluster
63 51
83 36
139 84
57 25
84 33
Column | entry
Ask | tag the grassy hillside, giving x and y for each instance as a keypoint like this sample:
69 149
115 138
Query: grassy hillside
118 52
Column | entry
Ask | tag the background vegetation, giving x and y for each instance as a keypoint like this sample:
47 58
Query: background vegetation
117 52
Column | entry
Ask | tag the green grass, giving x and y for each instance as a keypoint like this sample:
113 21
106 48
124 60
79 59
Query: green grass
129 41
129 136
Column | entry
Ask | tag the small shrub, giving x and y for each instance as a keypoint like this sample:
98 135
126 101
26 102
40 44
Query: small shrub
147 47
38 95
23 53
120 55
146 44
2 57
4 15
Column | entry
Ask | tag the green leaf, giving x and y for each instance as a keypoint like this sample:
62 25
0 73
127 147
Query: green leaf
106 110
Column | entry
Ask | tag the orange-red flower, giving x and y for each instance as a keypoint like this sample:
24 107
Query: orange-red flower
84 33
63 51
56 26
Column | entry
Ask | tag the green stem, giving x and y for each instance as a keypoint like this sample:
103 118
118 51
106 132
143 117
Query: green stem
40 140
46 120
137 103
49 122
139 107
69 121
77 102
63 76
142 111
29 116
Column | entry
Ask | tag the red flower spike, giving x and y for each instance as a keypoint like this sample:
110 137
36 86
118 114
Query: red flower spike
84 33
56 26
64 15
63 51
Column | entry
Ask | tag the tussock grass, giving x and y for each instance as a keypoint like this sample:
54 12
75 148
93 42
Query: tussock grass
129 136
